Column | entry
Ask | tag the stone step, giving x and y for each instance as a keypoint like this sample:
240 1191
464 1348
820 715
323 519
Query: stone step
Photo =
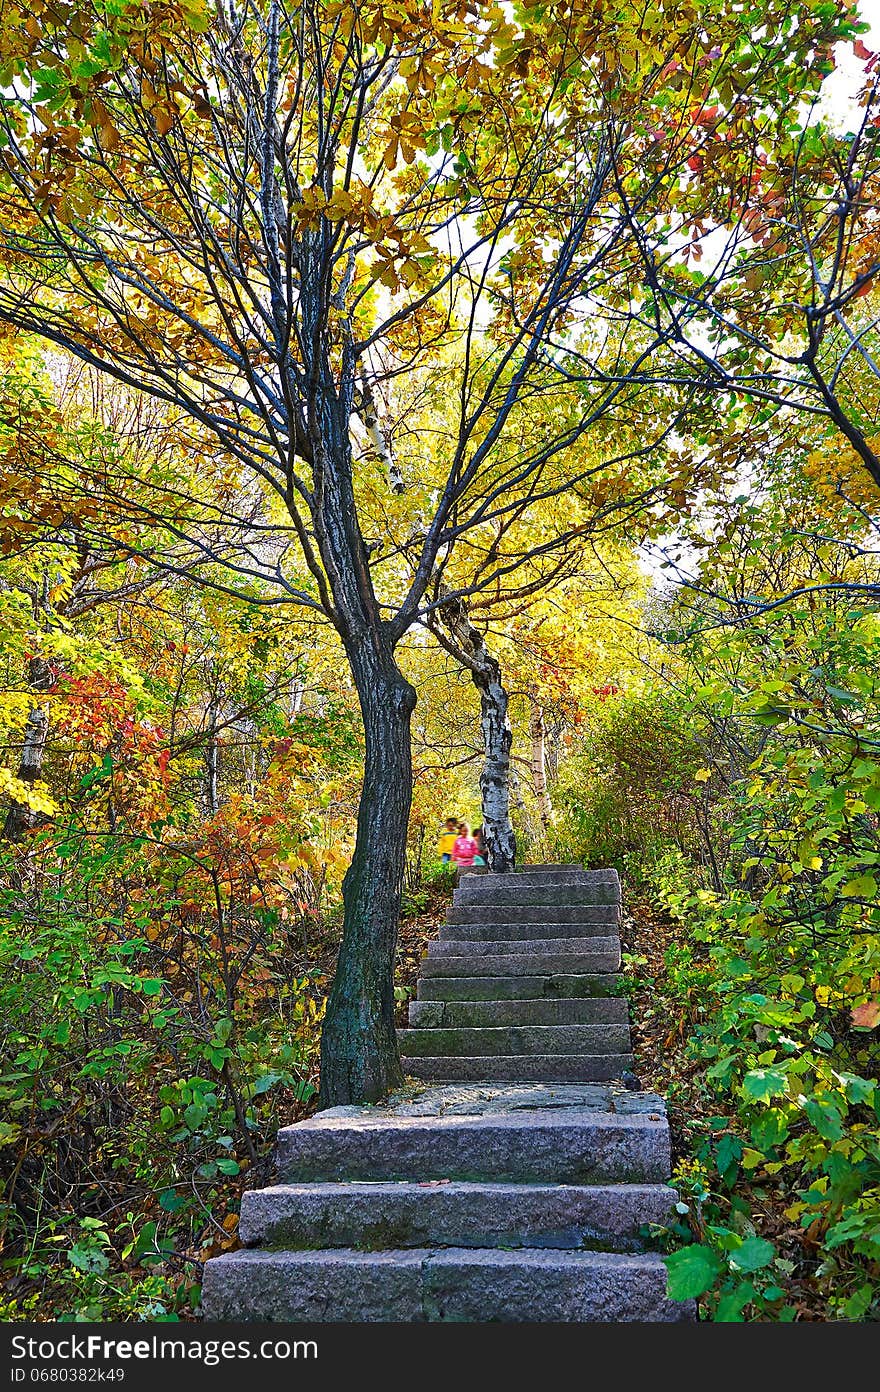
503 947
540 866
486 892
538 871
527 913
595 1010
559 986
400 1213
578 1144
514 1039
547 1068
523 964
512 932
429 1284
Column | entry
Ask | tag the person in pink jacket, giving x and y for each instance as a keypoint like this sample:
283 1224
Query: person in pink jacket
465 848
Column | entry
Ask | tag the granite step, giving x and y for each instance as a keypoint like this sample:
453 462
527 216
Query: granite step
555 1068
514 1039
529 913
523 964
588 927
401 1213
547 986
588 895
592 1010
562 1144
501 947
428 1284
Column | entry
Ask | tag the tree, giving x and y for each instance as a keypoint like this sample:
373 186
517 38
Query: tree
780 287
263 217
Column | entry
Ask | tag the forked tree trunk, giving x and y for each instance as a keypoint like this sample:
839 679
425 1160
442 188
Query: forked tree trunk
537 734
360 1060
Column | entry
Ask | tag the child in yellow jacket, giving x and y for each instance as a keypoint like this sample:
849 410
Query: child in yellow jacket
448 838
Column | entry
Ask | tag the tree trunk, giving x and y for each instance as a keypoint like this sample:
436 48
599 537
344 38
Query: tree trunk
495 773
19 818
360 1061
212 762
537 733
468 646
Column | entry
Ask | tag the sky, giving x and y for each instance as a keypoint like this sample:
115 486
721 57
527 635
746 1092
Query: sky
844 82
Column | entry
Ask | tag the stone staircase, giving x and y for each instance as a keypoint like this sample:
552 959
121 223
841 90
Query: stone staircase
520 983
518 1181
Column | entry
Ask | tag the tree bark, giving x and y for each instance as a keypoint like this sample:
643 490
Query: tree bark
468 646
537 733
360 1061
212 761
19 817
495 773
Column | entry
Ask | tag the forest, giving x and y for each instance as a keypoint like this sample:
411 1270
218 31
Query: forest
414 408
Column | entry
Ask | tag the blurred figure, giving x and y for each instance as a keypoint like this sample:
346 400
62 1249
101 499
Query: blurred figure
465 848
448 837
480 858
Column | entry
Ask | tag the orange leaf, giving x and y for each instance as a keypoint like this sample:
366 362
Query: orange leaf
164 118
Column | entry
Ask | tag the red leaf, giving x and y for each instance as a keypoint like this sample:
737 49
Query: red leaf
866 1016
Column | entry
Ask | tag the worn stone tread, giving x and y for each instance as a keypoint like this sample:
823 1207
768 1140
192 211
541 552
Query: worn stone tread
437 1285
547 986
591 1010
546 1067
522 964
588 927
403 1213
500 947
516 1039
522 911
568 1145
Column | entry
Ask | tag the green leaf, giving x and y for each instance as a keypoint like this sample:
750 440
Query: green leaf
171 1201
754 1254
732 1304
194 1115
859 1303
691 1271
857 1089
727 1154
862 887
824 1117
764 1083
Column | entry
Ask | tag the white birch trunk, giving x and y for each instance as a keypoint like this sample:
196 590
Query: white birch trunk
497 736
370 417
212 762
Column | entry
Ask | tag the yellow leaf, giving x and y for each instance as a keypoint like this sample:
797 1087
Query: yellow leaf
751 1159
702 775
